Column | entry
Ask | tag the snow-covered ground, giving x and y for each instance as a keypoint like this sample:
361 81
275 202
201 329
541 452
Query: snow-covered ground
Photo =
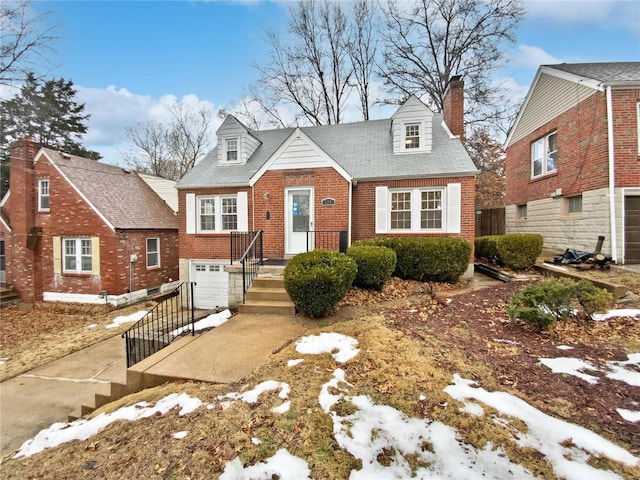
373 428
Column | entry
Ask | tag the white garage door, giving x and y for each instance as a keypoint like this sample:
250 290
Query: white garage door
212 285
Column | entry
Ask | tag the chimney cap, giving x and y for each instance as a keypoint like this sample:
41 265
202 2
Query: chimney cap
455 78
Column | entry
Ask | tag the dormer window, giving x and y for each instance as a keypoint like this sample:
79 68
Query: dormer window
412 136
231 149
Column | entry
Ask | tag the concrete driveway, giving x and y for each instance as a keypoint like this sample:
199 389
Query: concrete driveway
45 395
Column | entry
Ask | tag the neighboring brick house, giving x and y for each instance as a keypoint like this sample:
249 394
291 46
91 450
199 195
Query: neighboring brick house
78 230
407 175
572 159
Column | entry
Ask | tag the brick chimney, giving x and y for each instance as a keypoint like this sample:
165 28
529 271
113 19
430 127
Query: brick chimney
22 208
453 106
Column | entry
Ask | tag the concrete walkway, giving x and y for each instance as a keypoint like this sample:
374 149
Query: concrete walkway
45 395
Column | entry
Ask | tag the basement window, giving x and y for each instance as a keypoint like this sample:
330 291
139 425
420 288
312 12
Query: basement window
521 212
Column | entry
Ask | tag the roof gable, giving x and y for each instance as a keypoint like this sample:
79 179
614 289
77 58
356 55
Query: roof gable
119 197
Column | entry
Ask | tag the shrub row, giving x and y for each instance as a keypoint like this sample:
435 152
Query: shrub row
435 259
517 251
547 302
375 265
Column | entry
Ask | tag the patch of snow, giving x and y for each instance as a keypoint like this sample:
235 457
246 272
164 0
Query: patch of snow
629 415
180 435
59 433
623 312
293 363
256 440
564 347
213 320
251 396
508 342
282 465
549 435
473 409
571 366
3 360
341 347
619 371
134 317
282 408
93 325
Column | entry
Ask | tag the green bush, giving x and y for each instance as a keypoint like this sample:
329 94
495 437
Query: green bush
375 265
517 251
316 281
546 302
434 259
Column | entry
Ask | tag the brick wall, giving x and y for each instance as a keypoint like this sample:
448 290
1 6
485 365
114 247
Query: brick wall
364 204
582 150
32 271
453 106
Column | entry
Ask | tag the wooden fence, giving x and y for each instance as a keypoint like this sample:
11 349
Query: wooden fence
490 222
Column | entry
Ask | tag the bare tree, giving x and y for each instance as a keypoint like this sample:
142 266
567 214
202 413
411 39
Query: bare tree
24 41
363 49
312 71
170 150
488 156
435 39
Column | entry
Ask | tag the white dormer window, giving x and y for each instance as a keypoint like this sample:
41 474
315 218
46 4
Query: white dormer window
411 136
231 149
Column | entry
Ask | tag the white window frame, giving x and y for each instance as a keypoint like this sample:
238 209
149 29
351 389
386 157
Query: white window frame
416 209
155 252
545 153
79 253
218 213
44 191
406 142
227 151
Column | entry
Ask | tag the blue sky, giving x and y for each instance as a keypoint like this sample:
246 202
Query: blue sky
129 58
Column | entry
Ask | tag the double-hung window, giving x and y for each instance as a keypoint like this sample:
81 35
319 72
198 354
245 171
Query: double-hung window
231 149
153 252
43 195
412 136
416 210
544 155
217 214
77 255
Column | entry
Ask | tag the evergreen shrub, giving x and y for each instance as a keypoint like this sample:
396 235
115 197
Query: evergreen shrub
375 265
316 281
517 251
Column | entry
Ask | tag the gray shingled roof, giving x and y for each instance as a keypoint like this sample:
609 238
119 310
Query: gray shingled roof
122 197
363 149
606 72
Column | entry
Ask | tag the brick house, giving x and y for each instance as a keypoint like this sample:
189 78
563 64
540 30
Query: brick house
406 175
78 230
573 159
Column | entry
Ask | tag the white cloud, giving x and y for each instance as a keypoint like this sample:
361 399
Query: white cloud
530 56
611 14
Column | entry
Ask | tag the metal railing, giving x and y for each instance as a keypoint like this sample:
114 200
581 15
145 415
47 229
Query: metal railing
251 258
169 319
327 240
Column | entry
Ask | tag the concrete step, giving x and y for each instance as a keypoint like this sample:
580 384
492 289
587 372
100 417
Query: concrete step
260 293
116 392
267 282
8 296
264 307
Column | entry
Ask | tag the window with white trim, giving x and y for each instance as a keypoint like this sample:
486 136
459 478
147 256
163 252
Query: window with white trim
411 136
153 252
77 257
416 210
544 155
231 149
521 211
43 195
217 214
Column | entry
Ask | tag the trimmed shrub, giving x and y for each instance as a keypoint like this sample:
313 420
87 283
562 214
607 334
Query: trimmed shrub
434 259
517 251
546 302
375 265
316 281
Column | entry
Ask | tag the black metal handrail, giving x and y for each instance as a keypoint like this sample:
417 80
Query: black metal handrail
168 320
251 259
327 240
240 242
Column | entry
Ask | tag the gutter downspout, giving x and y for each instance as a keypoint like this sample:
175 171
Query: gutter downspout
351 185
612 190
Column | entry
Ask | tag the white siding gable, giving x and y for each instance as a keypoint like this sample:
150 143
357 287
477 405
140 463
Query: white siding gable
413 111
299 152
231 128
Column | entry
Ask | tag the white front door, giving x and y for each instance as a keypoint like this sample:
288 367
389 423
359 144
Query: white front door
298 220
